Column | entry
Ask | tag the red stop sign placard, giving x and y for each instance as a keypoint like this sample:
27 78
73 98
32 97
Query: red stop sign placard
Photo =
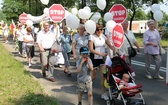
119 13
118 36
23 18
57 12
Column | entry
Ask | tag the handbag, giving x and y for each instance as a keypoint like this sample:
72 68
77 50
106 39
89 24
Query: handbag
131 51
162 51
56 47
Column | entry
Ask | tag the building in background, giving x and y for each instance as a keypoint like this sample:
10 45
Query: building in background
139 26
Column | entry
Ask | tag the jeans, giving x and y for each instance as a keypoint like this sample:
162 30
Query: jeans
66 58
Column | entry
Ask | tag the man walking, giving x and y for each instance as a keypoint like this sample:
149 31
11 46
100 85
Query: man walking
45 39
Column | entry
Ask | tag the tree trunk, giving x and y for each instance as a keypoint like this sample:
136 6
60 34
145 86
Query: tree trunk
83 3
29 6
36 8
133 15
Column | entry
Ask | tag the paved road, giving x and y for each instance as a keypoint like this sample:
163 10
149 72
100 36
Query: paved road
64 89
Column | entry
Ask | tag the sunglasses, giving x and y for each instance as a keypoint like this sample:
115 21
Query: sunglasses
99 29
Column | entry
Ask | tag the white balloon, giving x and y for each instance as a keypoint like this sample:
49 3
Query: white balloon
110 25
37 18
96 16
45 2
80 13
72 21
74 11
87 8
108 16
29 16
155 7
46 11
90 26
67 13
29 23
85 14
158 15
101 4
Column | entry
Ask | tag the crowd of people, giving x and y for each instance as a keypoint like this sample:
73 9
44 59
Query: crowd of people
89 51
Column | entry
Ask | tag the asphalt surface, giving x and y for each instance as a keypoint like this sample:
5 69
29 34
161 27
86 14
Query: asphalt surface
64 89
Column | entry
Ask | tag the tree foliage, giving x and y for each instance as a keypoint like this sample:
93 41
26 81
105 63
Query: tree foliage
13 8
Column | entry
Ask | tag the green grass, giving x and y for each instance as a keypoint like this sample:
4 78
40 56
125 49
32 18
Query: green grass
164 42
17 87
139 38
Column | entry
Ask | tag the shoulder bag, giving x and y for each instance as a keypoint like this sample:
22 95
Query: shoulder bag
131 51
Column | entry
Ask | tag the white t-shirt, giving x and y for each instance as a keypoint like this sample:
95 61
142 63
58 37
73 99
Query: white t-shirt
29 37
46 39
5 30
20 34
99 43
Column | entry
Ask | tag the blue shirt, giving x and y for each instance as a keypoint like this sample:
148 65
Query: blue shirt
65 42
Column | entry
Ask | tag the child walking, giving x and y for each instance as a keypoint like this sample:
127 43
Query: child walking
84 66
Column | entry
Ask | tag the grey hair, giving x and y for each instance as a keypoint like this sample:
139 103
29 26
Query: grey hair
150 21
81 26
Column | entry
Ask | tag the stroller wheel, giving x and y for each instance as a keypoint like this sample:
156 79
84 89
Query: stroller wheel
110 102
128 100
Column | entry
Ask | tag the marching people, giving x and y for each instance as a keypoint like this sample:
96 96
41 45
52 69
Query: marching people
45 40
84 67
151 40
79 40
20 35
29 44
5 31
109 36
65 40
56 29
125 46
97 43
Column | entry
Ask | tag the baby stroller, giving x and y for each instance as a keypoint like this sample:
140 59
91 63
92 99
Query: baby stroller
113 77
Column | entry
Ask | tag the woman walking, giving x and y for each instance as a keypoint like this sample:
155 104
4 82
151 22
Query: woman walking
65 40
29 41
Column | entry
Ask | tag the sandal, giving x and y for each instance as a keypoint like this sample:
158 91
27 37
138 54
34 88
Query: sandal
65 71
69 73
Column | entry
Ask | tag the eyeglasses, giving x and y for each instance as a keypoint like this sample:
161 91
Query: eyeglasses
99 29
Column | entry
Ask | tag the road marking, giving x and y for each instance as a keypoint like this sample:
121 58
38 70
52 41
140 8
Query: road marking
143 65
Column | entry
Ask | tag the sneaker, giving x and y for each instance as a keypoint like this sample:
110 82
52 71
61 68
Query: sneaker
30 64
149 76
60 66
79 103
159 77
85 90
104 96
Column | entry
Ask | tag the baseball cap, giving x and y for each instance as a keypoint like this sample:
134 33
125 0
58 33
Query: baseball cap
84 50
